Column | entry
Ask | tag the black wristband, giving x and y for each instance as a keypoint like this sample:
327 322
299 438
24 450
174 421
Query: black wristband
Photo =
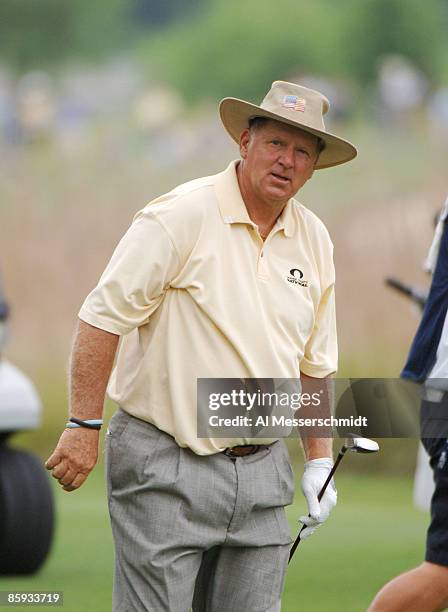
84 424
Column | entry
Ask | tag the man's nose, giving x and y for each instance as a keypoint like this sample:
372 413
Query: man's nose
287 157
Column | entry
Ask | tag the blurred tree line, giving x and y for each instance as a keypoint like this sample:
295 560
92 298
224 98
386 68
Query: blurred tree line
210 48
238 48
45 33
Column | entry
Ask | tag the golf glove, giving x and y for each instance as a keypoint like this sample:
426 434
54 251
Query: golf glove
314 476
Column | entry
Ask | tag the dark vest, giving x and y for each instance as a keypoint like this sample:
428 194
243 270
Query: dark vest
423 352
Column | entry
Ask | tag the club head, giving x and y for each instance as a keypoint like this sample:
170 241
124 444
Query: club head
356 444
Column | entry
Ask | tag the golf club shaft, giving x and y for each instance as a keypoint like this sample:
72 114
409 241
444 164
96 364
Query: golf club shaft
319 497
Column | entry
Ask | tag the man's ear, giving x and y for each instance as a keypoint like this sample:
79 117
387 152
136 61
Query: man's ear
244 143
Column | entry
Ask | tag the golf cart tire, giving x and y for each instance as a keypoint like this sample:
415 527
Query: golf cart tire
26 512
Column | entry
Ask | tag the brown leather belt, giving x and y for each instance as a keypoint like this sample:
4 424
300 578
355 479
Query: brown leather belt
242 451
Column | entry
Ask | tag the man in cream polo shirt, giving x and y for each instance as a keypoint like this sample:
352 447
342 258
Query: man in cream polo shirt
226 276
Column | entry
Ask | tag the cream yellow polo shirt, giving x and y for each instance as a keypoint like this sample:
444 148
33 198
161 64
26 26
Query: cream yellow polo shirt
195 293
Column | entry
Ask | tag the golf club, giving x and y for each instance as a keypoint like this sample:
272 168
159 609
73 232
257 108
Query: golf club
353 444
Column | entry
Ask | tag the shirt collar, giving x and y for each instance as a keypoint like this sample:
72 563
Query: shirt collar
233 208
286 219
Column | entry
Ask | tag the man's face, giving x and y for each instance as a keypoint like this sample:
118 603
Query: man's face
278 160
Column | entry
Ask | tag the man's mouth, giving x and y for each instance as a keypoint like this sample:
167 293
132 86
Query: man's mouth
280 177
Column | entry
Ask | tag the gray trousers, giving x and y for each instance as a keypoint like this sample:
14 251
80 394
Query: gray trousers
208 533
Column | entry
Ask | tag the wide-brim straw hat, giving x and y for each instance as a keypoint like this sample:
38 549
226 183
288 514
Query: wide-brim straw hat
295 105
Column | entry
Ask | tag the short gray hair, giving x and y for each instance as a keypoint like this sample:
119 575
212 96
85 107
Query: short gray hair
255 123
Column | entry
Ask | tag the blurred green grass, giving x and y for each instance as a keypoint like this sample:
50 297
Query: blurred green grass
374 533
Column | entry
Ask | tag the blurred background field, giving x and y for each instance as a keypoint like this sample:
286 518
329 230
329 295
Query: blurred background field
105 105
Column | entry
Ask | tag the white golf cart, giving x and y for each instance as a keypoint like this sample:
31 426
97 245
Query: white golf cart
26 500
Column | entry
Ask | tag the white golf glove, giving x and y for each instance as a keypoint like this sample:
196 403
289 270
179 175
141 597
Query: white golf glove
315 474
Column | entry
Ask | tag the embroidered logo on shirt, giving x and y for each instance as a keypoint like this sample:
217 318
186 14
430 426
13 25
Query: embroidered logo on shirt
296 277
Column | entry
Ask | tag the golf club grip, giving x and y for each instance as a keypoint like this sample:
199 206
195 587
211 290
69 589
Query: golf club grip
398 285
330 475
319 497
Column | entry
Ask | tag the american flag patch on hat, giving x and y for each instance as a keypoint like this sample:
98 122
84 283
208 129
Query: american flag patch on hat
289 101
294 103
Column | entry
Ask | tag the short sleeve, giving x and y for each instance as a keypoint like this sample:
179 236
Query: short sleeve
135 279
321 350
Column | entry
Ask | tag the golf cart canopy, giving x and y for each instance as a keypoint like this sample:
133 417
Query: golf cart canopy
19 402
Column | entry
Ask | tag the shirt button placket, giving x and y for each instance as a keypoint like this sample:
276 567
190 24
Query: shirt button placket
262 267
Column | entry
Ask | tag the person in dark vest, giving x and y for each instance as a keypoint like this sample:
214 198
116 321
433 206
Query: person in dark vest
425 588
